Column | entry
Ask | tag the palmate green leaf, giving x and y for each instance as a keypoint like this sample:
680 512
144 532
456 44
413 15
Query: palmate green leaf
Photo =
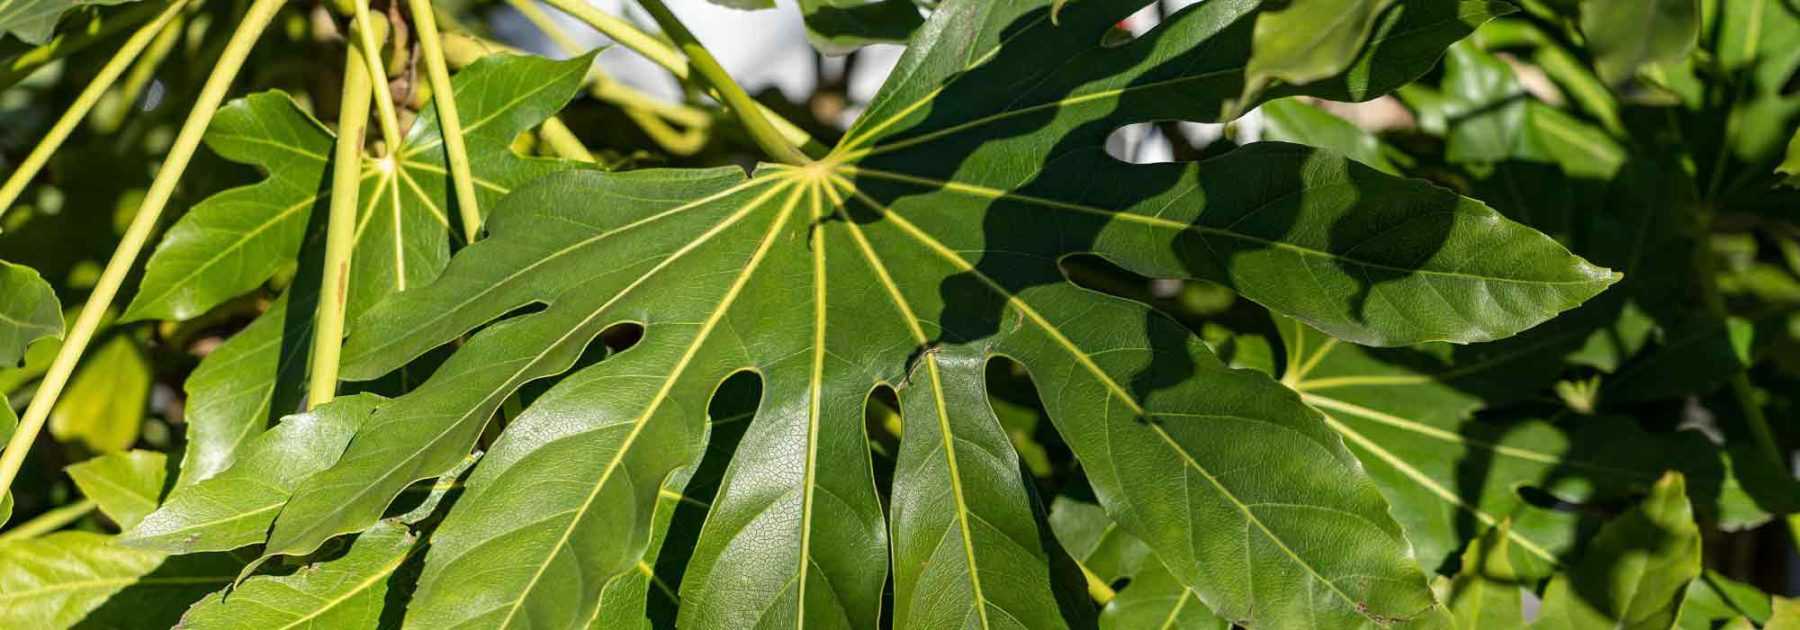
234 241
1635 572
32 21
234 508
104 406
1485 594
1624 35
1152 598
921 247
126 486
28 312
1405 413
344 592
74 577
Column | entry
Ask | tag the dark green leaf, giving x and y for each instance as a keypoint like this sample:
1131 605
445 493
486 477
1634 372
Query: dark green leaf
28 312
1301 41
839 26
34 20
1152 597
125 485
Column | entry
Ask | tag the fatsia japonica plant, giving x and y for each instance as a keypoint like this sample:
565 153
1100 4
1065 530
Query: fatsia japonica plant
1437 314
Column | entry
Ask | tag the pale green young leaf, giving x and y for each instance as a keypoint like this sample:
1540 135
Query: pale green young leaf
344 592
28 312
1635 572
1485 594
1625 35
1791 166
234 508
126 486
234 241
66 578
258 375
33 21
103 408
922 245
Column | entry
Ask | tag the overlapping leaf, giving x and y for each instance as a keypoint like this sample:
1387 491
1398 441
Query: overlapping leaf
922 246
345 592
233 242
1636 571
234 508
1152 597
126 486
1405 413
1627 34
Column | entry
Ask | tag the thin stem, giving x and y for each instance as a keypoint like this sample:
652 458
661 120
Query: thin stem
340 229
49 521
628 35
748 111
84 103
74 40
448 121
563 141
370 34
187 141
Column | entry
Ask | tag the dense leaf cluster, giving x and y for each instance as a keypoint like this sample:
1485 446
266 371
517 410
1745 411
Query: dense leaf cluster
1515 347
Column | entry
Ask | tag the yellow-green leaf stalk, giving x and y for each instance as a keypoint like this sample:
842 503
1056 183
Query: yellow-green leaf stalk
448 120
340 229
660 53
181 153
748 111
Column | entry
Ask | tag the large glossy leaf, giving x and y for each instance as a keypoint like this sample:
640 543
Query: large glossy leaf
126 486
344 592
28 312
69 577
103 408
1636 571
1627 34
34 20
922 246
236 240
235 508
